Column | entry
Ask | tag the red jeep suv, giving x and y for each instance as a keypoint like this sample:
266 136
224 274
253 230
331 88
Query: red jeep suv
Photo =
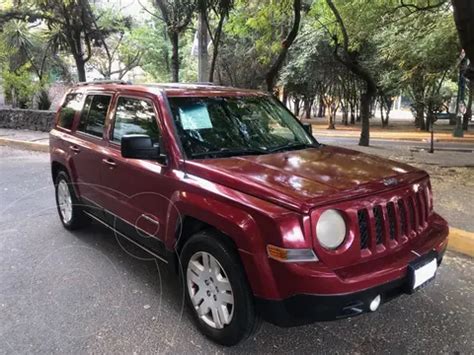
227 187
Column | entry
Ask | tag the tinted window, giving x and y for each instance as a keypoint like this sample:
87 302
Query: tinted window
71 105
135 116
93 115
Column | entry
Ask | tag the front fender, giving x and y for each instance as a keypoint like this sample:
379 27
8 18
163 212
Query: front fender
238 224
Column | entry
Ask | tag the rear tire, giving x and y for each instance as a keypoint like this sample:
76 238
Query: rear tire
216 287
69 206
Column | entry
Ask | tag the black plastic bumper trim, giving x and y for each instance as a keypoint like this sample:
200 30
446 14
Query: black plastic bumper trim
304 309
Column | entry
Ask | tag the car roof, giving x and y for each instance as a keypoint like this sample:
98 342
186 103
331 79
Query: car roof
170 89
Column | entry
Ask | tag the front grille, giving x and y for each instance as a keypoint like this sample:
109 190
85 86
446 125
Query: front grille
394 221
363 218
403 217
378 215
411 213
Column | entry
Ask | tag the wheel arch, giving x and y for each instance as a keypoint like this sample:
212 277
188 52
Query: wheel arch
193 213
56 167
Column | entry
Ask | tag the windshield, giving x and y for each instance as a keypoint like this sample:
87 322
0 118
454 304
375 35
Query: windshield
227 126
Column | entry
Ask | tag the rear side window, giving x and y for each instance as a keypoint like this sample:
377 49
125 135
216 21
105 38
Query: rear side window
94 114
135 116
72 104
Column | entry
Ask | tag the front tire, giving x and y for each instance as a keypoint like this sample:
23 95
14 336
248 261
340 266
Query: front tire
216 287
69 207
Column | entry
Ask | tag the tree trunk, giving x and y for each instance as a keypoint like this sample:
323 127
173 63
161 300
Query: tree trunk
353 116
285 96
468 115
387 116
308 104
297 107
345 114
321 106
331 120
81 69
321 110
384 124
420 116
463 16
203 56
215 51
174 38
365 100
372 109
429 118
357 110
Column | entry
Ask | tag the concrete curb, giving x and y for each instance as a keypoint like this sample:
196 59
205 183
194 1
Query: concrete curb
461 241
25 145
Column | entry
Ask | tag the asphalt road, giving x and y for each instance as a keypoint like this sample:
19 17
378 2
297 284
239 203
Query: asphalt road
86 292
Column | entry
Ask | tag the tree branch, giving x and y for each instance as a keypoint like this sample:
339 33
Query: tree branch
287 42
415 7
340 22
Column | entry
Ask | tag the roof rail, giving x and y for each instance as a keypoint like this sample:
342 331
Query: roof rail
120 82
178 85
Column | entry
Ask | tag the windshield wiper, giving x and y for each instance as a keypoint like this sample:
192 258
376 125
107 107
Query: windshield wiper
292 146
230 152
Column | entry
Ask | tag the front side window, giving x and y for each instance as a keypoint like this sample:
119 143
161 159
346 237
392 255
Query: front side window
135 116
72 104
227 126
94 114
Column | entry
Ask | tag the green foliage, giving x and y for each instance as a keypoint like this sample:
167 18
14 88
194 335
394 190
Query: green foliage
423 51
157 52
262 22
19 86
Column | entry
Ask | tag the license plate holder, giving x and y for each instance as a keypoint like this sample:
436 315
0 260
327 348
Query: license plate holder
422 271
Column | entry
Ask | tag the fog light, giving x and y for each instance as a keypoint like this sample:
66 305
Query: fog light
375 303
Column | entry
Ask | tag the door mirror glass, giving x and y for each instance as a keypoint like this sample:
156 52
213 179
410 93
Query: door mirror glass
139 146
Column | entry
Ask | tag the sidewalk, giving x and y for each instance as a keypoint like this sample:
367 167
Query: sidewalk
442 132
25 139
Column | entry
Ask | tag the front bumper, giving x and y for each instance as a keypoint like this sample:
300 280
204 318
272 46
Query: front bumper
306 308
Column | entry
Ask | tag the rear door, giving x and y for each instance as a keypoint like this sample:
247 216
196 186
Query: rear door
136 192
87 145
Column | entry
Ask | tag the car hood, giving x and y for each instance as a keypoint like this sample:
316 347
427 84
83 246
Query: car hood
303 179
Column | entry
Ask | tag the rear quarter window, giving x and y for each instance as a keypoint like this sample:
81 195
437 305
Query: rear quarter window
67 112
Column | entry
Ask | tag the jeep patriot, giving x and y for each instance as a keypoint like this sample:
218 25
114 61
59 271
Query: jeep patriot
230 190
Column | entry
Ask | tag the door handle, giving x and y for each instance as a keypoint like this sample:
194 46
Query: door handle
109 162
74 148
149 219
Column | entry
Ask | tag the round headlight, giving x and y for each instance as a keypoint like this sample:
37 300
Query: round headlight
331 229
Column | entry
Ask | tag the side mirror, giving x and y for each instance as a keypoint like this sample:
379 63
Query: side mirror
139 146
308 128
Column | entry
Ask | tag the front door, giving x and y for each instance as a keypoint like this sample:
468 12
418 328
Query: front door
136 192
